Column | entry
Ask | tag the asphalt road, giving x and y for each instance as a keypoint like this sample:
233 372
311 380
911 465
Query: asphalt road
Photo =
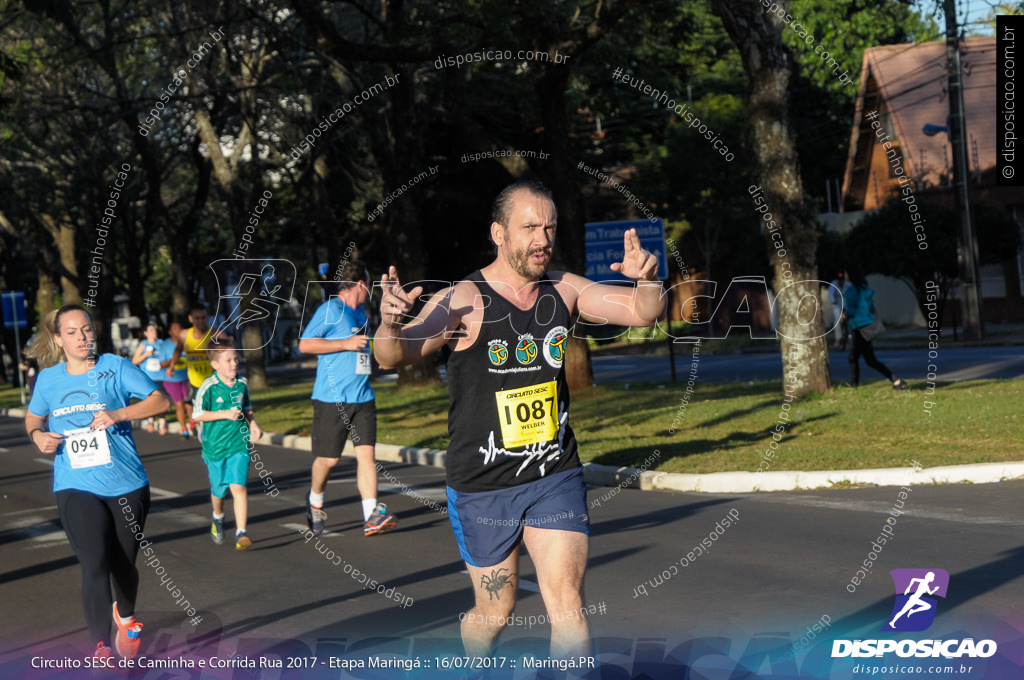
960 363
784 565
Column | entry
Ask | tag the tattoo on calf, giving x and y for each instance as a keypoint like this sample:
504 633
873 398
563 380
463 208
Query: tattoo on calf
495 582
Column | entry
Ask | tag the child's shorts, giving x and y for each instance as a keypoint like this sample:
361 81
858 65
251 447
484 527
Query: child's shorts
231 470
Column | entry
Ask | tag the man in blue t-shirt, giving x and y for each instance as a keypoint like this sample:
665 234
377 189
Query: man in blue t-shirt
343 402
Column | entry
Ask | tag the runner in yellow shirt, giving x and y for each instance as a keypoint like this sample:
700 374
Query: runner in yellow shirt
196 340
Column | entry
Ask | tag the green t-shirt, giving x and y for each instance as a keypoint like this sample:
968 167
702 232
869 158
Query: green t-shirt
223 438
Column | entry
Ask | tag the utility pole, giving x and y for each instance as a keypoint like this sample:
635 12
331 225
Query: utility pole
970 289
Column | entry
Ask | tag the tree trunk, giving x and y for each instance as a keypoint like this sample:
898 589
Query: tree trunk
180 292
252 339
227 174
63 235
804 346
399 153
561 176
136 244
47 290
419 374
579 374
181 266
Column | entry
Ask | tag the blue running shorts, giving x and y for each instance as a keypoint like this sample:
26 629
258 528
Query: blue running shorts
489 524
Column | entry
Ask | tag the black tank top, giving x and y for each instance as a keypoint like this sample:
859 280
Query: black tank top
508 399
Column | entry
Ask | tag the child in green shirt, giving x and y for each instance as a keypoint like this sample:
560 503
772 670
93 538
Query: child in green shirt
222 402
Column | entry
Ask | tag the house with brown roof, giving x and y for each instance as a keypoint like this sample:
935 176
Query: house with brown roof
905 89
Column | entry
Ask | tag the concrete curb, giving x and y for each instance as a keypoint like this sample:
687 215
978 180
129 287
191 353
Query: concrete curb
712 482
747 482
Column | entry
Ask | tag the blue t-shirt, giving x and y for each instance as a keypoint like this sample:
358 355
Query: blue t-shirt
150 365
167 347
69 402
336 377
859 302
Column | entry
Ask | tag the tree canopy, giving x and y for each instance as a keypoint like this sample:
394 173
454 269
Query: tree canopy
344 111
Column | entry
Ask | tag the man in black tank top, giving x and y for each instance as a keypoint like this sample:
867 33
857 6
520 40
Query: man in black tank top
513 472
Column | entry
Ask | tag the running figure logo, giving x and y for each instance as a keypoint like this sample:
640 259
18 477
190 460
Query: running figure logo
498 352
526 350
915 611
554 346
257 290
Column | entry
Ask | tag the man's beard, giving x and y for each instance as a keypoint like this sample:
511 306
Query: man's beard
520 262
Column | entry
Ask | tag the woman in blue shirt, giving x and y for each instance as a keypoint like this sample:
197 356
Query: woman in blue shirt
147 357
81 414
859 302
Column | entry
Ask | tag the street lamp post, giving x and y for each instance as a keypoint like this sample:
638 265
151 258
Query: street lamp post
970 294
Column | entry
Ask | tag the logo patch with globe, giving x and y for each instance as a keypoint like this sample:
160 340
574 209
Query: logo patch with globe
497 352
526 350
555 345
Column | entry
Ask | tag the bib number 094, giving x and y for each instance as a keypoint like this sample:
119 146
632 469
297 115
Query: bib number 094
86 447
83 445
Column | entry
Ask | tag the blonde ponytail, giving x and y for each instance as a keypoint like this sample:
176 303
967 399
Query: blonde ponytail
44 348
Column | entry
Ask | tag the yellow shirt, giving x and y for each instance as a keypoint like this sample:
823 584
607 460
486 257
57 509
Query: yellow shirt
199 368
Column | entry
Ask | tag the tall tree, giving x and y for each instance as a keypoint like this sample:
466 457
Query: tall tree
883 244
804 347
236 96
512 103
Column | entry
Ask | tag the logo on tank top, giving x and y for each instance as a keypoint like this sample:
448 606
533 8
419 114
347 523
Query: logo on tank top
554 346
497 352
526 350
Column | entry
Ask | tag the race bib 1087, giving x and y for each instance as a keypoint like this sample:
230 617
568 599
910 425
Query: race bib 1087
528 415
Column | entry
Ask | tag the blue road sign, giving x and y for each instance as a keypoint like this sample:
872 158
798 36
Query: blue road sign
14 309
604 246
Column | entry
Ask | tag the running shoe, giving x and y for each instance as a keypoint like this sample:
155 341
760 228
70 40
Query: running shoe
217 530
149 424
899 384
242 540
315 518
127 641
380 521
185 434
102 652
196 430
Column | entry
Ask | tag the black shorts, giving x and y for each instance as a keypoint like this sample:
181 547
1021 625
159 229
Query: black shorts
334 423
